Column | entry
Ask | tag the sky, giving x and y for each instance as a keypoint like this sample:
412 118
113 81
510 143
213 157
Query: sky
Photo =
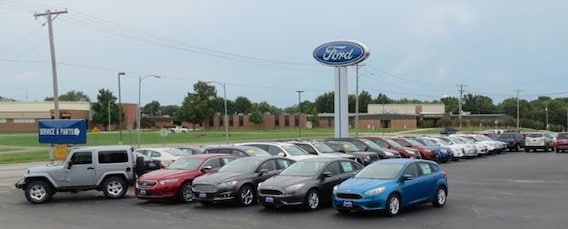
262 49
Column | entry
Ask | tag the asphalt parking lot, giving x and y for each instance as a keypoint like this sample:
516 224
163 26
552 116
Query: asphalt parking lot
512 190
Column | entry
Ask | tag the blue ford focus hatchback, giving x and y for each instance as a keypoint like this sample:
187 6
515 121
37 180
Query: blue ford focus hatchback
392 184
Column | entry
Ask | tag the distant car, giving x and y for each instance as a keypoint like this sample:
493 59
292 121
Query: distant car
561 143
238 180
515 140
425 152
178 129
150 164
321 149
166 155
281 149
536 141
175 181
237 151
363 157
457 150
191 150
370 146
391 185
405 152
306 183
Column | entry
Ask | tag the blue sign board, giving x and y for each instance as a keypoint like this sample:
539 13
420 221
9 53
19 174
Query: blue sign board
62 131
341 53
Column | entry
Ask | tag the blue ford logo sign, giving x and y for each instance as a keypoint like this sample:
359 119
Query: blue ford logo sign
341 53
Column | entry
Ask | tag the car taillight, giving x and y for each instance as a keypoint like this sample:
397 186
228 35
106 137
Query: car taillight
443 173
514 141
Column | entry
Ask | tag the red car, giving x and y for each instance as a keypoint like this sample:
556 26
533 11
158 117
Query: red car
561 143
174 182
425 152
405 152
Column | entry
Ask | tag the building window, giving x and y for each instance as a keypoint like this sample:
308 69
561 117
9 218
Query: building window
277 120
24 120
3 120
287 120
211 122
241 121
296 120
231 121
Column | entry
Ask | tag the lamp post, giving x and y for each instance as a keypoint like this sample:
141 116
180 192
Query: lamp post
120 109
225 117
138 111
300 112
357 97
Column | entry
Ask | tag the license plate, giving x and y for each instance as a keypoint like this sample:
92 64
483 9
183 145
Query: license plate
142 192
347 204
269 199
202 195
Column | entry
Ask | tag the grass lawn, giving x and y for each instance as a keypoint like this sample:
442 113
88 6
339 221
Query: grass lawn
32 156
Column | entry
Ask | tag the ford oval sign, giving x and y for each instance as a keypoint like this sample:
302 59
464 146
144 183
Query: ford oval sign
341 53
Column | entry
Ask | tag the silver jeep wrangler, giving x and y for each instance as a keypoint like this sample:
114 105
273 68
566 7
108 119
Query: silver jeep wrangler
110 169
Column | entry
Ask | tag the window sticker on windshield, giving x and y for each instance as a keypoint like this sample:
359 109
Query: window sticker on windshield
251 152
346 146
425 169
347 166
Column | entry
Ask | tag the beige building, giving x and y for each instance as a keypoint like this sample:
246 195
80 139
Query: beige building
407 109
16 116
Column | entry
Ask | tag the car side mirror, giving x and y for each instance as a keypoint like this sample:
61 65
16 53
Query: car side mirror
206 168
325 174
262 172
281 154
69 164
407 177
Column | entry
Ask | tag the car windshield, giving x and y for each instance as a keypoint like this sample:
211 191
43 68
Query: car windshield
323 148
303 169
447 141
243 165
506 136
176 152
426 142
294 150
253 151
414 142
466 140
562 136
535 135
483 138
393 143
349 147
186 163
371 144
383 171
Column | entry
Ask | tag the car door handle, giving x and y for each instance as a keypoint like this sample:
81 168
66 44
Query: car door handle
90 168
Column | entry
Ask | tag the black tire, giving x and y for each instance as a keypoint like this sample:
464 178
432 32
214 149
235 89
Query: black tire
38 192
185 193
114 187
246 196
440 198
546 148
527 150
206 203
393 206
312 200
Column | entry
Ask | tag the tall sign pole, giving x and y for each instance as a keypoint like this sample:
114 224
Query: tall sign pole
341 54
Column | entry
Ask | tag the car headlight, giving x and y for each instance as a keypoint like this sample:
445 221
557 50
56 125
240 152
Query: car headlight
294 187
389 154
367 158
375 191
228 183
335 189
169 181
411 152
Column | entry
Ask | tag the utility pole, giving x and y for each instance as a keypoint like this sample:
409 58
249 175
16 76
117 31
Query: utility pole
460 103
546 110
518 123
56 115
300 112
108 109
48 14
357 98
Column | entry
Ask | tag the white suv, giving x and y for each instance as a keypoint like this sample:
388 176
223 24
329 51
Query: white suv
537 141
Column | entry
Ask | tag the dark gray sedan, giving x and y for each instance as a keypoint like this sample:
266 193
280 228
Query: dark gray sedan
238 180
306 183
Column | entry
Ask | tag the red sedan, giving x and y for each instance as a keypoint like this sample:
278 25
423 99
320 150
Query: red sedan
561 143
174 182
425 152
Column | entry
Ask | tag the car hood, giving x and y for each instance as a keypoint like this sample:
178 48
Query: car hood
43 169
281 182
361 185
300 157
341 155
219 177
168 173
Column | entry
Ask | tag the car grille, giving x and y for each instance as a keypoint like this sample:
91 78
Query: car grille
270 192
204 188
349 196
146 183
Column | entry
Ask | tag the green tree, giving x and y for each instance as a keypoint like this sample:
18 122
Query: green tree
325 103
243 105
71 96
382 99
265 107
101 108
196 107
256 117
152 108
451 104
169 110
314 118
478 104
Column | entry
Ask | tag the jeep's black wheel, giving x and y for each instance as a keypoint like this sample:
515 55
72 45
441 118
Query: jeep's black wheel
114 187
38 192
185 193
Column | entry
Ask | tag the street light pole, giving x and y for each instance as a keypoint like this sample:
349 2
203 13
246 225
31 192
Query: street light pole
120 109
138 111
300 112
518 123
546 110
225 117
356 100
